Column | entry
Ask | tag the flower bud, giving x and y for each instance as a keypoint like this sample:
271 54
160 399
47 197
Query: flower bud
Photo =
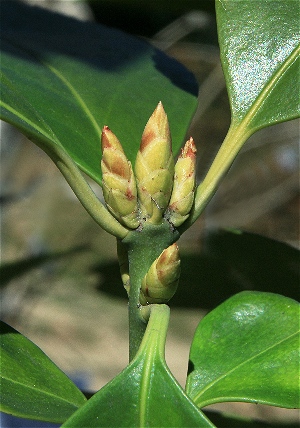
160 283
119 186
154 167
182 197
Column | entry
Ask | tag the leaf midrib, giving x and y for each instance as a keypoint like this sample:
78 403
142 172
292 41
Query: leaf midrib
67 84
28 121
211 384
268 88
41 391
77 97
146 380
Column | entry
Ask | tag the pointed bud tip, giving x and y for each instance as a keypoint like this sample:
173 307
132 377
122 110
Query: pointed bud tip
160 107
156 127
189 149
169 254
109 139
105 136
159 115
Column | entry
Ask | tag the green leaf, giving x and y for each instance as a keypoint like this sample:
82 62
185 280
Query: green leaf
63 80
32 386
260 57
145 394
247 349
259 48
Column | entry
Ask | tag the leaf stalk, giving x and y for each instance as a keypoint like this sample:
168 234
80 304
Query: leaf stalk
84 193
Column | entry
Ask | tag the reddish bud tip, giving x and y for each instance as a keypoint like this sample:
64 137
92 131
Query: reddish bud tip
189 149
108 139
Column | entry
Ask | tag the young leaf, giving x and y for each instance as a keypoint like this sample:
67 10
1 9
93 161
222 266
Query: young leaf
32 386
247 349
63 80
145 394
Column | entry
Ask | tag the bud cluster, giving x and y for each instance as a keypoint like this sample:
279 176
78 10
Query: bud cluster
158 187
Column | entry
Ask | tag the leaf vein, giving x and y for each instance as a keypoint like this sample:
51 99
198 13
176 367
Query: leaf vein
46 393
215 381
269 87
25 119
77 96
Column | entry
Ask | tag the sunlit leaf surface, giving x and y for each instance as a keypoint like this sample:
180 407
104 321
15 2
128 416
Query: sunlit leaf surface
260 48
247 349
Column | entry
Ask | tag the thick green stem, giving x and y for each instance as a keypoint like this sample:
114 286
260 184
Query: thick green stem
144 246
235 138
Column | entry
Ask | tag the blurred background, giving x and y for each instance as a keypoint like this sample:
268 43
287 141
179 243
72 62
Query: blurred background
59 276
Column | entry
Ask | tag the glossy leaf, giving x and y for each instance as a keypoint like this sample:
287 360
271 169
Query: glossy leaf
260 47
145 394
247 349
63 80
32 386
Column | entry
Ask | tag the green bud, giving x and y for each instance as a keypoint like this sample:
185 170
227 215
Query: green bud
182 197
119 186
160 283
154 167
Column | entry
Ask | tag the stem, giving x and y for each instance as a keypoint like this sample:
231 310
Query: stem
233 142
84 193
143 248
